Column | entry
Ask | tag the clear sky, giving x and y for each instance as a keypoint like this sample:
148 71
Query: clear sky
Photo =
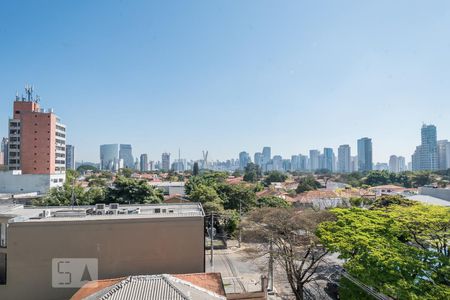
234 75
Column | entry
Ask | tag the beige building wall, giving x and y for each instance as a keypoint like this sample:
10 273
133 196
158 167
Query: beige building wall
124 247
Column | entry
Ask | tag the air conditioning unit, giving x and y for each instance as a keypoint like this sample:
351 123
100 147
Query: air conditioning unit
100 209
114 206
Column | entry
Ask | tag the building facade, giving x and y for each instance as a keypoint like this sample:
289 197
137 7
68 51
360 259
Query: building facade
144 163
126 154
365 162
144 239
165 161
70 157
244 160
426 156
314 160
109 157
443 155
344 159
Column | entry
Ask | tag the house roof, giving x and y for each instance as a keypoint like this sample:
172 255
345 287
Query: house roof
155 287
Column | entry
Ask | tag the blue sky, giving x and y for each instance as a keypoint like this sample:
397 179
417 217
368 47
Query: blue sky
229 76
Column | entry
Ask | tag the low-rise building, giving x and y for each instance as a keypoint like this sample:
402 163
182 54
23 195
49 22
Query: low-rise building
124 241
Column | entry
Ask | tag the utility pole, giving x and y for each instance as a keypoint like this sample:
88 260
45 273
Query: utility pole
270 288
240 223
212 241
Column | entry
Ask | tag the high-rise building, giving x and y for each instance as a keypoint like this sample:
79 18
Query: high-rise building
295 163
314 159
401 164
126 153
4 151
70 157
381 167
303 162
37 138
365 154
444 154
165 161
328 159
266 157
394 165
286 165
277 163
144 163
109 157
426 158
258 158
354 164
244 159
344 159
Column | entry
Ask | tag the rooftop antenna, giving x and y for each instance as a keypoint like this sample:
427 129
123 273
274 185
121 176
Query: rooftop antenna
29 92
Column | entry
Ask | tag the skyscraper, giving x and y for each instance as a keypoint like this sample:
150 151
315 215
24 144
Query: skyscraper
444 154
314 159
4 150
144 163
258 158
37 138
109 157
244 159
277 163
266 157
426 155
344 159
365 154
126 153
165 161
394 165
70 157
328 159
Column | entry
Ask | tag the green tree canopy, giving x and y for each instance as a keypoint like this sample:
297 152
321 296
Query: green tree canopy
272 201
252 173
275 176
133 191
307 183
401 251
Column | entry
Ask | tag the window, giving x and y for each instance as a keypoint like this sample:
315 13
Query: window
3 227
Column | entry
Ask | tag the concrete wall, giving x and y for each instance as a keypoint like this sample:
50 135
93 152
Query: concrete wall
437 193
11 183
123 247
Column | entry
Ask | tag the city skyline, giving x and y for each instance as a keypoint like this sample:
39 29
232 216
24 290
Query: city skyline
234 81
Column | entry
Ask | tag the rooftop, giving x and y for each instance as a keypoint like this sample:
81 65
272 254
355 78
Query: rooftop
176 287
19 213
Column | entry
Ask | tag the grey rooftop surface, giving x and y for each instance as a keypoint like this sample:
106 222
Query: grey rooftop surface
429 200
155 287
16 213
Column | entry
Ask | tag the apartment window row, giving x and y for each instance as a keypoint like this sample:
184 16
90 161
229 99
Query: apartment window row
62 142
60 155
13 154
14 139
60 128
60 169
14 131
14 161
14 146
60 134
60 148
14 124
60 162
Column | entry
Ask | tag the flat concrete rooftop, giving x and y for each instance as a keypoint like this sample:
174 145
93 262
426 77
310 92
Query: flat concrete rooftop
15 213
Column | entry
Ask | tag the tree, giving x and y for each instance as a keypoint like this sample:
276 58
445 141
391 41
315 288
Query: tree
84 168
421 178
308 183
195 170
275 176
252 173
272 201
296 248
401 250
237 196
126 172
133 191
